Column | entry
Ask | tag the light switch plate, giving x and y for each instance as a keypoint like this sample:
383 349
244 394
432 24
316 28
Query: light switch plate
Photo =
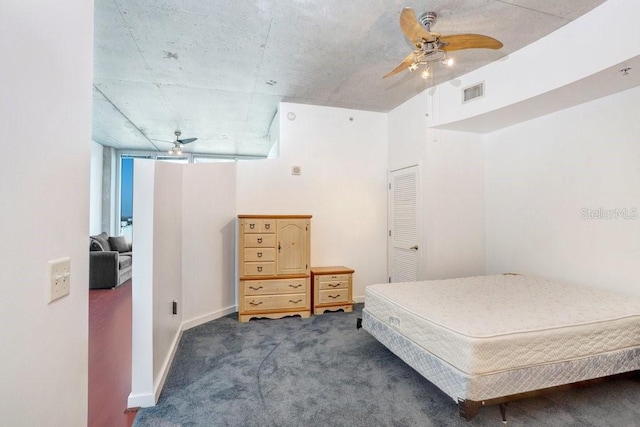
59 278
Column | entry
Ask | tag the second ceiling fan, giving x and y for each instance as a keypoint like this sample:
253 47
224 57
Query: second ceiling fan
178 143
432 46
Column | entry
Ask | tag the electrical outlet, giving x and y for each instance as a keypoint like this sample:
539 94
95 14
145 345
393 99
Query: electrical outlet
59 278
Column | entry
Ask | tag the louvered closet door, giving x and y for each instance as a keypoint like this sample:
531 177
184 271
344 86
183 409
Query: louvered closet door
403 225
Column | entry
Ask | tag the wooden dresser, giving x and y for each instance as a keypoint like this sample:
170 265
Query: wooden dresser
332 289
273 266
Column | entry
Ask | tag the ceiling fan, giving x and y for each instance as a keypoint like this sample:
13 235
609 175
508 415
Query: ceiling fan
432 46
178 143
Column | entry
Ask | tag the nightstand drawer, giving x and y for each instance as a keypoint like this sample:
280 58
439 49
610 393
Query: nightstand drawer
333 296
334 278
259 254
269 287
275 302
333 284
259 268
259 240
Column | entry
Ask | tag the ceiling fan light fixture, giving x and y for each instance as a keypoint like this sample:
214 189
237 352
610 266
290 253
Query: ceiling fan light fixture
176 150
426 72
431 46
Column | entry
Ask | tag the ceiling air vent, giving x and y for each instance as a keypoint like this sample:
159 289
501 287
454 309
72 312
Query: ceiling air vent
473 92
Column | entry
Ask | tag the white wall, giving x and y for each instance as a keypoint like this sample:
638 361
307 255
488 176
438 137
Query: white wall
540 177
208 242
562 57
452 189
184 249
46 78
95 189
157 276
343 185
142 293
454 205
167 265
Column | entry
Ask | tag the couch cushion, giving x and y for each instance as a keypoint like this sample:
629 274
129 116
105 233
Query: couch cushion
95 245
103 239
119 243
124 261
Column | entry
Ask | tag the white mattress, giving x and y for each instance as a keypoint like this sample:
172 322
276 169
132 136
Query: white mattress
488 324
459 385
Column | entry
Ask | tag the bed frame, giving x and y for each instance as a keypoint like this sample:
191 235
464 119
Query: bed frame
474 392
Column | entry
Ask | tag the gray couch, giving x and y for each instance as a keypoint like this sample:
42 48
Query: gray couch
110 261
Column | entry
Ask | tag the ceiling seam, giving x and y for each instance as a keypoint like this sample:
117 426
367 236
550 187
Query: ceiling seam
155 83
255 83
533 10
125 116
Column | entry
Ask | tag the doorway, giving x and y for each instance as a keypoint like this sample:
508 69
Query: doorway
404 230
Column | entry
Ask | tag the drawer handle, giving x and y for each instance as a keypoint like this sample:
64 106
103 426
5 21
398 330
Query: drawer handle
333 285
259 254
255 289
267 226
259 268
259 239
296 301
333 296
255 304
252 226
295 286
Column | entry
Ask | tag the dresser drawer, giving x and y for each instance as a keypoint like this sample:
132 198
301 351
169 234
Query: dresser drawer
285 286
333 296
259 240
259 268
259 254
275 302
259 225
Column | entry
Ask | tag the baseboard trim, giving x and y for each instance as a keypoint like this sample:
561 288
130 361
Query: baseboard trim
166 366
208 317
358 299
143 400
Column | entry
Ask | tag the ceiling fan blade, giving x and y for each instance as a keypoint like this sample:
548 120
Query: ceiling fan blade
406 62
469 41
412 29
186 140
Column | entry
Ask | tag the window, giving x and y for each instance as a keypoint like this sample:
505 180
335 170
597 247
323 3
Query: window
126 194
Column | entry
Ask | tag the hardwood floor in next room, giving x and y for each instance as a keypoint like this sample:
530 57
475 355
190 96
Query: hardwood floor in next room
110 357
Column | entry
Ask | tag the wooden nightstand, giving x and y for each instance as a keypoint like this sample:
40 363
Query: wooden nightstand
332 289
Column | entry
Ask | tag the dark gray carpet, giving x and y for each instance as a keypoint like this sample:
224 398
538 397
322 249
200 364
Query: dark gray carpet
321 371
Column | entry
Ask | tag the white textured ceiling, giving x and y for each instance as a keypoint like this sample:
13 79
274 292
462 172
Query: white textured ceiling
217 69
